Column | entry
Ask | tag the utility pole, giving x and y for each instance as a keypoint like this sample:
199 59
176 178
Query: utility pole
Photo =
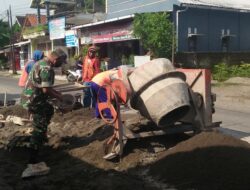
38 12
11 41
173 44
93 6
47 11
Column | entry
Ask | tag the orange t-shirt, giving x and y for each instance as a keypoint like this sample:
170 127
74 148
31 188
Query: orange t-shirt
91 67
103 77
23 79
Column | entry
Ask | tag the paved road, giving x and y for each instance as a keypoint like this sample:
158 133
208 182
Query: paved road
234 123
9 85
233 119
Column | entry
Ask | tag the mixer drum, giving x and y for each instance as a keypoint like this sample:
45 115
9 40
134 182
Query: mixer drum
159 92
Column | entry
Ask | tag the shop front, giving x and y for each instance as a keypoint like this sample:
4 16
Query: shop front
114 39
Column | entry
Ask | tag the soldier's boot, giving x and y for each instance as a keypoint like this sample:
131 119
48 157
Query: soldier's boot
33 170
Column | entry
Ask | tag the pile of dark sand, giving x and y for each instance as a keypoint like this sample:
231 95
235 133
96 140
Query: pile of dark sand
16 110
74 153
209 160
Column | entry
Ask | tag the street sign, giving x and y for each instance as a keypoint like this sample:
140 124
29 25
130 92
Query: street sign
57 28
71 38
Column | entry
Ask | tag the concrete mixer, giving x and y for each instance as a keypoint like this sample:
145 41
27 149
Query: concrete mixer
176 100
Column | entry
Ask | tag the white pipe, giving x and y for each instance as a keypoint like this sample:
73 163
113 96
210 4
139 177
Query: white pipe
52 45
5 99
106 6
177 26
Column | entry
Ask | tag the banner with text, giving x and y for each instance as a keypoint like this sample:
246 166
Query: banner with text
57 28
71 38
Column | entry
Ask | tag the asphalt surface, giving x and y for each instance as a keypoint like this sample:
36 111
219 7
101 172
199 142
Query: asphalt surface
233 119
234 123
9 86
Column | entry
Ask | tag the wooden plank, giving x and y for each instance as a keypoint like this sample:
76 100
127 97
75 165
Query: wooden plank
69 87
66 87
72 89
173 130
62 85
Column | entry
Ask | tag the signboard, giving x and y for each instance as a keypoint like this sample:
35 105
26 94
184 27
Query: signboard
112 37
71 38
86 40
57 28
108 34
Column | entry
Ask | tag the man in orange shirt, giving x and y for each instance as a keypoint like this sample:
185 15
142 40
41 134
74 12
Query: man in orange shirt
91 67
98 81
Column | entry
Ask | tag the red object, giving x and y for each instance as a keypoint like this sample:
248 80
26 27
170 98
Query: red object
118 36
17 61
91 67
23 78
116 93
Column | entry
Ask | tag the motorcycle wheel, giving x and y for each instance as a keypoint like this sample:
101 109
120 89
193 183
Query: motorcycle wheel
71 78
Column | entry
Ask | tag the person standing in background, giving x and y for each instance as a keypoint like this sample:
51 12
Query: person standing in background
91 67
37 55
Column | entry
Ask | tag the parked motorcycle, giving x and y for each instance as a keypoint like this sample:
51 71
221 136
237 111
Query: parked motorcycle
74 76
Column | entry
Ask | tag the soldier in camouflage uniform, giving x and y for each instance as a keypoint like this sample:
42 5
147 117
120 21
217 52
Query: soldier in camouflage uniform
37 92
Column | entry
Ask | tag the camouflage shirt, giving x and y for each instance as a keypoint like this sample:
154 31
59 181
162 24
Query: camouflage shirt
41 76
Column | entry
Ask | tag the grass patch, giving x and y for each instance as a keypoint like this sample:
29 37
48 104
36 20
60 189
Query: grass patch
220 84
223 71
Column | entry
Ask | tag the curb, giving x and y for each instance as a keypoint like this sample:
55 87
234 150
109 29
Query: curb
9 74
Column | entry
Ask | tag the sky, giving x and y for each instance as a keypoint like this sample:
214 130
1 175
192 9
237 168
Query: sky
18 8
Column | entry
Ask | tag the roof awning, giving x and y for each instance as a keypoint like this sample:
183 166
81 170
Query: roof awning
53 3
19 44
103 22
6 50
82 19
237 5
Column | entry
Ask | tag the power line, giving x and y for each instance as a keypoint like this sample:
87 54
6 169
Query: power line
9 12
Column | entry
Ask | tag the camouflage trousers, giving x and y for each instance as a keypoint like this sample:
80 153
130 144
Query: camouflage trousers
42 114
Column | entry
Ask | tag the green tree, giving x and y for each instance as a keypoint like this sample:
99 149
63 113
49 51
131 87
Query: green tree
155 31
16 28
4 34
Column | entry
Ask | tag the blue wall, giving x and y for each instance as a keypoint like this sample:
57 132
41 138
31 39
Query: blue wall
209 24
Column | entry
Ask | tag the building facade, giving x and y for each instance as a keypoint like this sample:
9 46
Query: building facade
202 27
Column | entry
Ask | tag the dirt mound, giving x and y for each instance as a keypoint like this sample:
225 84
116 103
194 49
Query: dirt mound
209 160
75 149
238 80
16 110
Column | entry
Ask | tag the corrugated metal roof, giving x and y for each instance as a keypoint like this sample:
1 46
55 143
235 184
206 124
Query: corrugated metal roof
103 22
231 4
